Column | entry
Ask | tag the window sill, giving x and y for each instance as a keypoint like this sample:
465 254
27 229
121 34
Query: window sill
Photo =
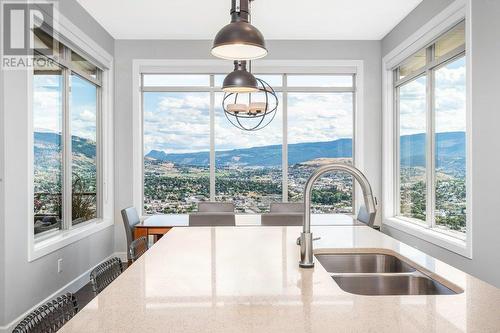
59 239
456 245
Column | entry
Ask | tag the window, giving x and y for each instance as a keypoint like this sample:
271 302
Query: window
177 142
182 166
83 110
430 100
48 148
320 131
412 157
66 90
248 168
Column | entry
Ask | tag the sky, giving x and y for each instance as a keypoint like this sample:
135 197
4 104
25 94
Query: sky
47 105
449 101
179 122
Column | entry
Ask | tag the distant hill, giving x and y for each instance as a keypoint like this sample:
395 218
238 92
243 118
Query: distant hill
195 159
268 156
450 151
48 164
48 141
47 153
449 145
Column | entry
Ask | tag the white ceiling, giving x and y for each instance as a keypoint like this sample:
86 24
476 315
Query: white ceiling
277 19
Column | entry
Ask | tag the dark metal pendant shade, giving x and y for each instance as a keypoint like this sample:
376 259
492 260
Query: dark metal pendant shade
240 80
239 40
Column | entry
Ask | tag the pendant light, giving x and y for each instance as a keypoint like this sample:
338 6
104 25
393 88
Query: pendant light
240 80
239 40
249 103
251 112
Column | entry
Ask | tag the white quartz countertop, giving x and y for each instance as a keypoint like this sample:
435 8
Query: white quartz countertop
233 279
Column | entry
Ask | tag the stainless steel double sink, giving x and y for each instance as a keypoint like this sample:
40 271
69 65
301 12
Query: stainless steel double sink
379 274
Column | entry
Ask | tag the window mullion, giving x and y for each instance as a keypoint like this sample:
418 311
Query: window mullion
353 144
99 156
212 139
67 153
284 147
396 152
430 174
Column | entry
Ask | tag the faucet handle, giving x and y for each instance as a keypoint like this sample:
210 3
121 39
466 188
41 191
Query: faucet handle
314 239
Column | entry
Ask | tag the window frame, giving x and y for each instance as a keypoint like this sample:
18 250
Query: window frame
67 71
75 39
265 67
423 38
429 70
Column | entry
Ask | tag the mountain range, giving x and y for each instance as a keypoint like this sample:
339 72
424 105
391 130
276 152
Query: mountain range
268 156
450 151
450 148
45 141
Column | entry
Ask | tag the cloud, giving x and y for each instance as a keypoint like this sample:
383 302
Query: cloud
47 106
47 103
179 122
176 122
83 121
449 101
319 116
412 107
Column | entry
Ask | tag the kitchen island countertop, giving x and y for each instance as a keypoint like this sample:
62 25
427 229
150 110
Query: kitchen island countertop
231 279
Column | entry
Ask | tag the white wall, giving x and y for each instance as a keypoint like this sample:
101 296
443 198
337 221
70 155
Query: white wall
485 70
426 10
82 19
2 207
127 50
24 283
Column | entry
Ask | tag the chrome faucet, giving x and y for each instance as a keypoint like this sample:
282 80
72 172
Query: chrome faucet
306 239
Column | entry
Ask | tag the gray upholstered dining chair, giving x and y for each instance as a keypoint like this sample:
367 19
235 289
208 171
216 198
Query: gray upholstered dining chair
215 207
211 219
287 207
49 317
105 273
130 219
138 247
211 214
284 214
282 219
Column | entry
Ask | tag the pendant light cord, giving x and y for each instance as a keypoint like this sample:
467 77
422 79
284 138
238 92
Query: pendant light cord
250 61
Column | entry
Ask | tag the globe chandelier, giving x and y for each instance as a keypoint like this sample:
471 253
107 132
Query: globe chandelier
249 103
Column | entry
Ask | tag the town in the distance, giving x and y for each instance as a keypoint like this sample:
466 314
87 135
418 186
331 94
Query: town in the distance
252 178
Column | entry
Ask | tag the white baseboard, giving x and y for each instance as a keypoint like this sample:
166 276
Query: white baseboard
71 287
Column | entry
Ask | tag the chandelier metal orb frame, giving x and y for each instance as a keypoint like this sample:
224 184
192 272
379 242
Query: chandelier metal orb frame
252 116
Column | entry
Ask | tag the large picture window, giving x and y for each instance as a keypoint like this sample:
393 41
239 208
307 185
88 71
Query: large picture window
320 131
248 169
183 166
430 100
177 142
66 104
